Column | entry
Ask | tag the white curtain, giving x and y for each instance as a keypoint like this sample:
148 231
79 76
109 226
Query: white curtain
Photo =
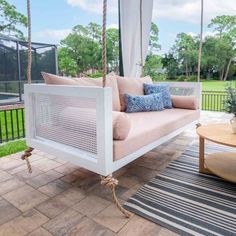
135 24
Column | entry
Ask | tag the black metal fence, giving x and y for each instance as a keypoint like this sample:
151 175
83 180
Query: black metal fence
12 123
213 100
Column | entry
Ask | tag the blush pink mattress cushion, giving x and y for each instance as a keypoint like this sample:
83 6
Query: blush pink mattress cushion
147 127
111 82
132 86
83 120
185 102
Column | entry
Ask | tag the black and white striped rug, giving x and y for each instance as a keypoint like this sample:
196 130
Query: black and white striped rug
187 202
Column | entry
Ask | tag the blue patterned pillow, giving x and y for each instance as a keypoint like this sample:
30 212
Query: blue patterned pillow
152 102
159 88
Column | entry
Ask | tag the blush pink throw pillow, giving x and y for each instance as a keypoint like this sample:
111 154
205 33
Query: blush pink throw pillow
185 102
121 125
111 82
132 86
71 118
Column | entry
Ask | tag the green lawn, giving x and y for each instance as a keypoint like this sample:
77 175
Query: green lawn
12 147
215 85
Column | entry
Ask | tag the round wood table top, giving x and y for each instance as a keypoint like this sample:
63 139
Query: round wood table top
218 133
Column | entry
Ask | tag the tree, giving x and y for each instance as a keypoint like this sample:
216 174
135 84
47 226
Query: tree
154 46
10 18
186 51
113 49
225 28
81 50
216 53
67 64
153 65
153 61
95 33
223 25
171 64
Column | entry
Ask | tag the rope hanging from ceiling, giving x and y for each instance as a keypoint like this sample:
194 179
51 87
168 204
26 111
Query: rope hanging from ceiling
28 152
29 43
104 42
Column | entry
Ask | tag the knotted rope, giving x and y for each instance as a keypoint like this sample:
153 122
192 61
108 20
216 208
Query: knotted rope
111 182
28 151
198 125
26 156
104 43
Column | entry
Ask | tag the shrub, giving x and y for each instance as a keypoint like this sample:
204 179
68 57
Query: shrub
96 75
191 78
230 102
159 77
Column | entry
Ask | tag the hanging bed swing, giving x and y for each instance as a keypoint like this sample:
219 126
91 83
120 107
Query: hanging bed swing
76 123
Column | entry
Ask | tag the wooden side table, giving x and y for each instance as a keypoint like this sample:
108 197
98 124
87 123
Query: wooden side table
222 164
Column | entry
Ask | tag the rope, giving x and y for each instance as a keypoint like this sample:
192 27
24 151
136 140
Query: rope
141 36
198 125
200 46
26 156
29 43
111 182
28 151
104 42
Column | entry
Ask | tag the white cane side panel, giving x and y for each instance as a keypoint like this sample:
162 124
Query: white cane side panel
182 91
185 89
67 120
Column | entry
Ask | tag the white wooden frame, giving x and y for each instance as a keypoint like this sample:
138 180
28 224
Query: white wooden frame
103 164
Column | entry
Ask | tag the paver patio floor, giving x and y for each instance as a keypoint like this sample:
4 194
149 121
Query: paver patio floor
59 198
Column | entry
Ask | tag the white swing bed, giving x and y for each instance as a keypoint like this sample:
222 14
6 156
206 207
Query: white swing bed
93 148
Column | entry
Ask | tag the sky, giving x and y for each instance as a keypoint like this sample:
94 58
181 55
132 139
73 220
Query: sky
52 20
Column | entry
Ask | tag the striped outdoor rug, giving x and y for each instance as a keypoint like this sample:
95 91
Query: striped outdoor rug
187 202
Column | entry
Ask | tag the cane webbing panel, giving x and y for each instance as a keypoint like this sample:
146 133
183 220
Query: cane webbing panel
182 91
67 120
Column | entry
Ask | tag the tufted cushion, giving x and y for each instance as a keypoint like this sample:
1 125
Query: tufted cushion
185 102
160 88
111 82
133 86
121 125
152 102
